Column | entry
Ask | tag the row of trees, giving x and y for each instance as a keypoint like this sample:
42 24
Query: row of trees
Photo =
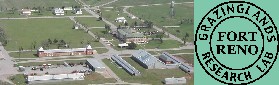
3 37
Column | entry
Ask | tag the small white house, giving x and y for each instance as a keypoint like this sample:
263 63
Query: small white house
58 11
120 19
78 11
26 12
68 8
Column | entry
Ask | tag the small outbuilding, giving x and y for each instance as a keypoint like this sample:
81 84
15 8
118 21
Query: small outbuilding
26 12
175 81
95 65
58 11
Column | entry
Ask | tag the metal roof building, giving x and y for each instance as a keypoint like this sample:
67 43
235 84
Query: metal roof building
147 60
175 81
49 78
95 65
185 67
168 57
130 69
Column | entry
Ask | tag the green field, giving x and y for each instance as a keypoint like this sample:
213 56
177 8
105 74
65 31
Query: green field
24 54
180 51
25 32
152 44
19 4
189 58
150 76
101 50
96 2
143 2
160 16
90 22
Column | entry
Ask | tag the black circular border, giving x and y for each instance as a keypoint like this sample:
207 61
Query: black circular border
242 17
195 42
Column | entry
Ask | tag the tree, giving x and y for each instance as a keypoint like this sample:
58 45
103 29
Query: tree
132 45
107 27
160 36
185 38
126 24
20 49
49 41
100 18
55 41
136 23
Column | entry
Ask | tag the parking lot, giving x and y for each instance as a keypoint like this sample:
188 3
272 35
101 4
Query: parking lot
55 69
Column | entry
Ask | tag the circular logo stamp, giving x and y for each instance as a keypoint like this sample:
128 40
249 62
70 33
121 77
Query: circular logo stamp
236 42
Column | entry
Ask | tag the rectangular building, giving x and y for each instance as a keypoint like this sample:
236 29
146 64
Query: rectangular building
127 35
125 65
175 81
53 78
66 52
147 60
95 65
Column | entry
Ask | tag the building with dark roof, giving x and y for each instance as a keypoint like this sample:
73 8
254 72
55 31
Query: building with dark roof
127 35
125 65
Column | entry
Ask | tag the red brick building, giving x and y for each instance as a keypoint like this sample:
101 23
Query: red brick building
65 52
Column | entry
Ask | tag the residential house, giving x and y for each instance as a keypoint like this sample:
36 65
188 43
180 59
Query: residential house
78 11
58 11
68 8
26 12
120 19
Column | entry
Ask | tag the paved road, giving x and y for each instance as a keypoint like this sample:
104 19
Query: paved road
6 65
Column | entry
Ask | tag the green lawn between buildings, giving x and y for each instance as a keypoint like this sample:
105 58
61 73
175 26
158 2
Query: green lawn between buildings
90 21
25 32
161 17
150 76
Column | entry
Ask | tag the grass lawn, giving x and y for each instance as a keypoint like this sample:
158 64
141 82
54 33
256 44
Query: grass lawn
95 2
165 45
24 54
160 17
189 58
150 76
112 14
73 57
143 2
90 21
25 32
50 62
180 51
18 79
101 50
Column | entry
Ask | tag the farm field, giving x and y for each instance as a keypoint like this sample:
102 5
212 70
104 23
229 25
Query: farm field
150 76
37 31
96 2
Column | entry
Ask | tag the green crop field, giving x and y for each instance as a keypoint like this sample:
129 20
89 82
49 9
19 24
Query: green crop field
22 33
150 76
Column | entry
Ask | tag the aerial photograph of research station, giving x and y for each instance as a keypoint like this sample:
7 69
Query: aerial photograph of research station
103 42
